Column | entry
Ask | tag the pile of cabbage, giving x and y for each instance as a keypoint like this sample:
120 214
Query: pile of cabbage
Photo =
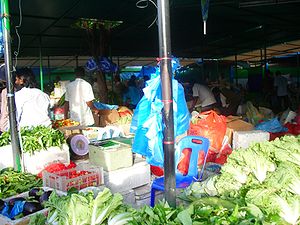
265 176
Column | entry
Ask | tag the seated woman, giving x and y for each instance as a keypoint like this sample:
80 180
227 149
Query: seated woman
31 103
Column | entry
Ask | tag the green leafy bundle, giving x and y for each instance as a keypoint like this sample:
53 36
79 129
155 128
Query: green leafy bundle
36 138
12 182
266 175
83 209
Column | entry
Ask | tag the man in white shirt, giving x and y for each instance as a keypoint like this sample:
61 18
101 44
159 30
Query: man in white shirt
31 103
79 100
203 97
281 86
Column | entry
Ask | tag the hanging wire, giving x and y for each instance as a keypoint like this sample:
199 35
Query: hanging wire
142 4
16 53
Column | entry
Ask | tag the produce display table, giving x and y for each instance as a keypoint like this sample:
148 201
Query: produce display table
36 162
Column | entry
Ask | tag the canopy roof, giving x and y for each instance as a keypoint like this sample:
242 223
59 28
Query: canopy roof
233 27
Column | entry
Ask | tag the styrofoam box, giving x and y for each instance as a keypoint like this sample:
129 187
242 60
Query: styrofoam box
25 220
6 159
36 163
243 139
128 178
112 158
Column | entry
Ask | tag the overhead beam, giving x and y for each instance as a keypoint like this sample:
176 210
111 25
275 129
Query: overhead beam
53 23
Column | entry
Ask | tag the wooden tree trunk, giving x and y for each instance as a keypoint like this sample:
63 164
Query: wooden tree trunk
103 90
99 45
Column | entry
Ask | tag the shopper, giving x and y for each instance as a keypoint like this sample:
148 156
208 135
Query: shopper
118 89
79 100
281 85
31 103
132 94
4 110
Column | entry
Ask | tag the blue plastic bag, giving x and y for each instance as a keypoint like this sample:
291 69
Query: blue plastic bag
147 122
273 126
100 105
16 210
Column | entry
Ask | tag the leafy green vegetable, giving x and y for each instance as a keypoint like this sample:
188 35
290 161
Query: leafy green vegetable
37 219
104 205
36 138
239 173
81 209
289 209
270 191
5 138
40 138
13 182
119 219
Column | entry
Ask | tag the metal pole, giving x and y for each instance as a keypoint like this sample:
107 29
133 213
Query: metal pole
261 63
76 60
167 98
236 70
265 61
49 72
15 140
41 66
298 74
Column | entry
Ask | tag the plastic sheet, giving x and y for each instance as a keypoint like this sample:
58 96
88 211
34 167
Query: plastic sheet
100 105
273 126
16 210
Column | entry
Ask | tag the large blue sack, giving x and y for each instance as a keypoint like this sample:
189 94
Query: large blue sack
147 122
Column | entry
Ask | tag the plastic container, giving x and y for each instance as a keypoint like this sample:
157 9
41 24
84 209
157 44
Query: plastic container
74 178
91 133
110 155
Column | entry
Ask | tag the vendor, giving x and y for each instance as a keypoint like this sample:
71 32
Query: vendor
203 97
79 100
31 103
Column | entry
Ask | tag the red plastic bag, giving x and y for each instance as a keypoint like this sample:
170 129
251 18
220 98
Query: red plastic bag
223 154
184 162
211 157
157 171
212 126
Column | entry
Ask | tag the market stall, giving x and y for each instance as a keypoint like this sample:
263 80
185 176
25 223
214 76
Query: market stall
74 174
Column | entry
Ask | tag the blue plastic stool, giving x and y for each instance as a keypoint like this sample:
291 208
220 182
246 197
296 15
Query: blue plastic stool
196 144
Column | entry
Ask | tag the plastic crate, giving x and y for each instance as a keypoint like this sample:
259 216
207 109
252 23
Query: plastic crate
64 180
